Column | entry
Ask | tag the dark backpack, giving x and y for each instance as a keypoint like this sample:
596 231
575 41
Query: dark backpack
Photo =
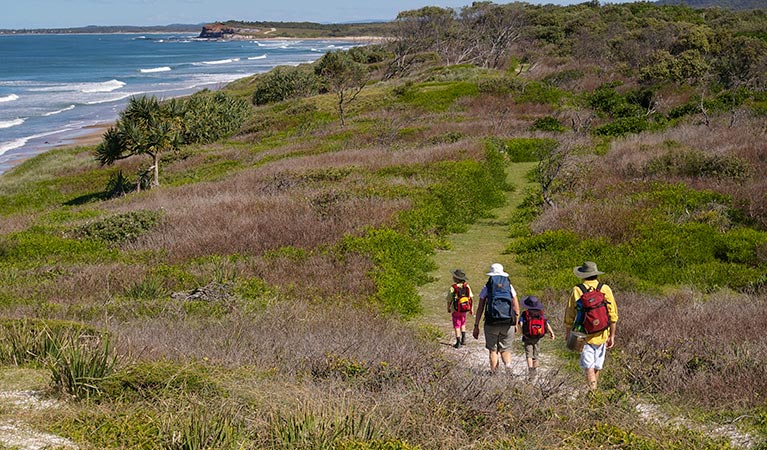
498 305
596 318
534 323
461 298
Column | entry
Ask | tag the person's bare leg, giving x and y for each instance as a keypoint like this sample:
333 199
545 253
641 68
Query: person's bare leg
592 375
493 361
506 357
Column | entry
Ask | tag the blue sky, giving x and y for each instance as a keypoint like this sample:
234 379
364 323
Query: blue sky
76 13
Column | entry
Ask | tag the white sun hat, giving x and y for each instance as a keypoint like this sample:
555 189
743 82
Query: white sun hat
497 269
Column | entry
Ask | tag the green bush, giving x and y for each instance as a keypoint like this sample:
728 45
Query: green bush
210 116
623 126
540 93
501 85
282 83
135 428
437 97
548 123
120 228
150 380
696 163
527 149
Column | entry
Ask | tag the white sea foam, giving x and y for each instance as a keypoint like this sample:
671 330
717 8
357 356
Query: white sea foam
155 69
107 86
86 88
11 123
53 113
9 98
220 61
111 99
10 145
20 142
257 57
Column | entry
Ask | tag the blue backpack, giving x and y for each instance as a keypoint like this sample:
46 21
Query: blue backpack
498 305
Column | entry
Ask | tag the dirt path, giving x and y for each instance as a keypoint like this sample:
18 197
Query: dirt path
473 252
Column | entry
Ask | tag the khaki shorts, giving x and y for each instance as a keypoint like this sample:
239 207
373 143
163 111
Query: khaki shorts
531 348
498 338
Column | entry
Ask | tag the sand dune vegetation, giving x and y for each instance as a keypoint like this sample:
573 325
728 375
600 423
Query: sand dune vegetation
266 290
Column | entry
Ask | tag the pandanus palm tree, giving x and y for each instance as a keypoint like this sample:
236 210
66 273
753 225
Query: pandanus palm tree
146 127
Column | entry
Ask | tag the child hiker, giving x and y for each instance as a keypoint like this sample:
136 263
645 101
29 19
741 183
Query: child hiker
534 326
459 302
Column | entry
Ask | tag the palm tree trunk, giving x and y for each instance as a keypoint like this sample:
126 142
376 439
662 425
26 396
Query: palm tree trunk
156 180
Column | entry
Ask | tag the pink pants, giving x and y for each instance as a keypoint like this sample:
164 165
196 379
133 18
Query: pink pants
459 319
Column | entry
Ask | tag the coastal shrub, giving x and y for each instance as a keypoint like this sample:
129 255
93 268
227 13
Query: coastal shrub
607 100
128 426
528 149
437 96
623 126
369 54
210 116
401 264
282 83
698 164
500 85
564 77
39 244
149 380
120 228
547 123
540 93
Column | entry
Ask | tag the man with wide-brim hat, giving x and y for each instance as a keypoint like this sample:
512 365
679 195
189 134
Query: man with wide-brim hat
597 343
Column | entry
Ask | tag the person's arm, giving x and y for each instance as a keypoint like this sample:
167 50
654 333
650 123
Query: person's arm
611 338
515 307
480 310
570 311
450 300
549 329
471 296
612 310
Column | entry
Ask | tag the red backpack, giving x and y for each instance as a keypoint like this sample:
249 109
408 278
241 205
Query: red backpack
534 323
461 298
596 318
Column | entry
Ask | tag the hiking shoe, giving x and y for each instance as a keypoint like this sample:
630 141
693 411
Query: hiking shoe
531 374
457 344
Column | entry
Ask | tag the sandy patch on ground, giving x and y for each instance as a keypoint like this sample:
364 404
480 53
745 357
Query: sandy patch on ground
17 435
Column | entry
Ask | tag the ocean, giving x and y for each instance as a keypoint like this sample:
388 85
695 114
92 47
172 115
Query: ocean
54 87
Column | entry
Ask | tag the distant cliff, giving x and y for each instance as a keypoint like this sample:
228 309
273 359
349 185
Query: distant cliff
217 31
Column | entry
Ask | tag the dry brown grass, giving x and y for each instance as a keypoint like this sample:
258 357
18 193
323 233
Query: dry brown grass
705 351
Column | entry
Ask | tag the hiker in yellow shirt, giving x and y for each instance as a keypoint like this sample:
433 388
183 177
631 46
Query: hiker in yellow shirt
597 342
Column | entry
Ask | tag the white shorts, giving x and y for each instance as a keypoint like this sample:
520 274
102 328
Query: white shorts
593 356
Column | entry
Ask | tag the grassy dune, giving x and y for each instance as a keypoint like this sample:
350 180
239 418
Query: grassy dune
283 287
